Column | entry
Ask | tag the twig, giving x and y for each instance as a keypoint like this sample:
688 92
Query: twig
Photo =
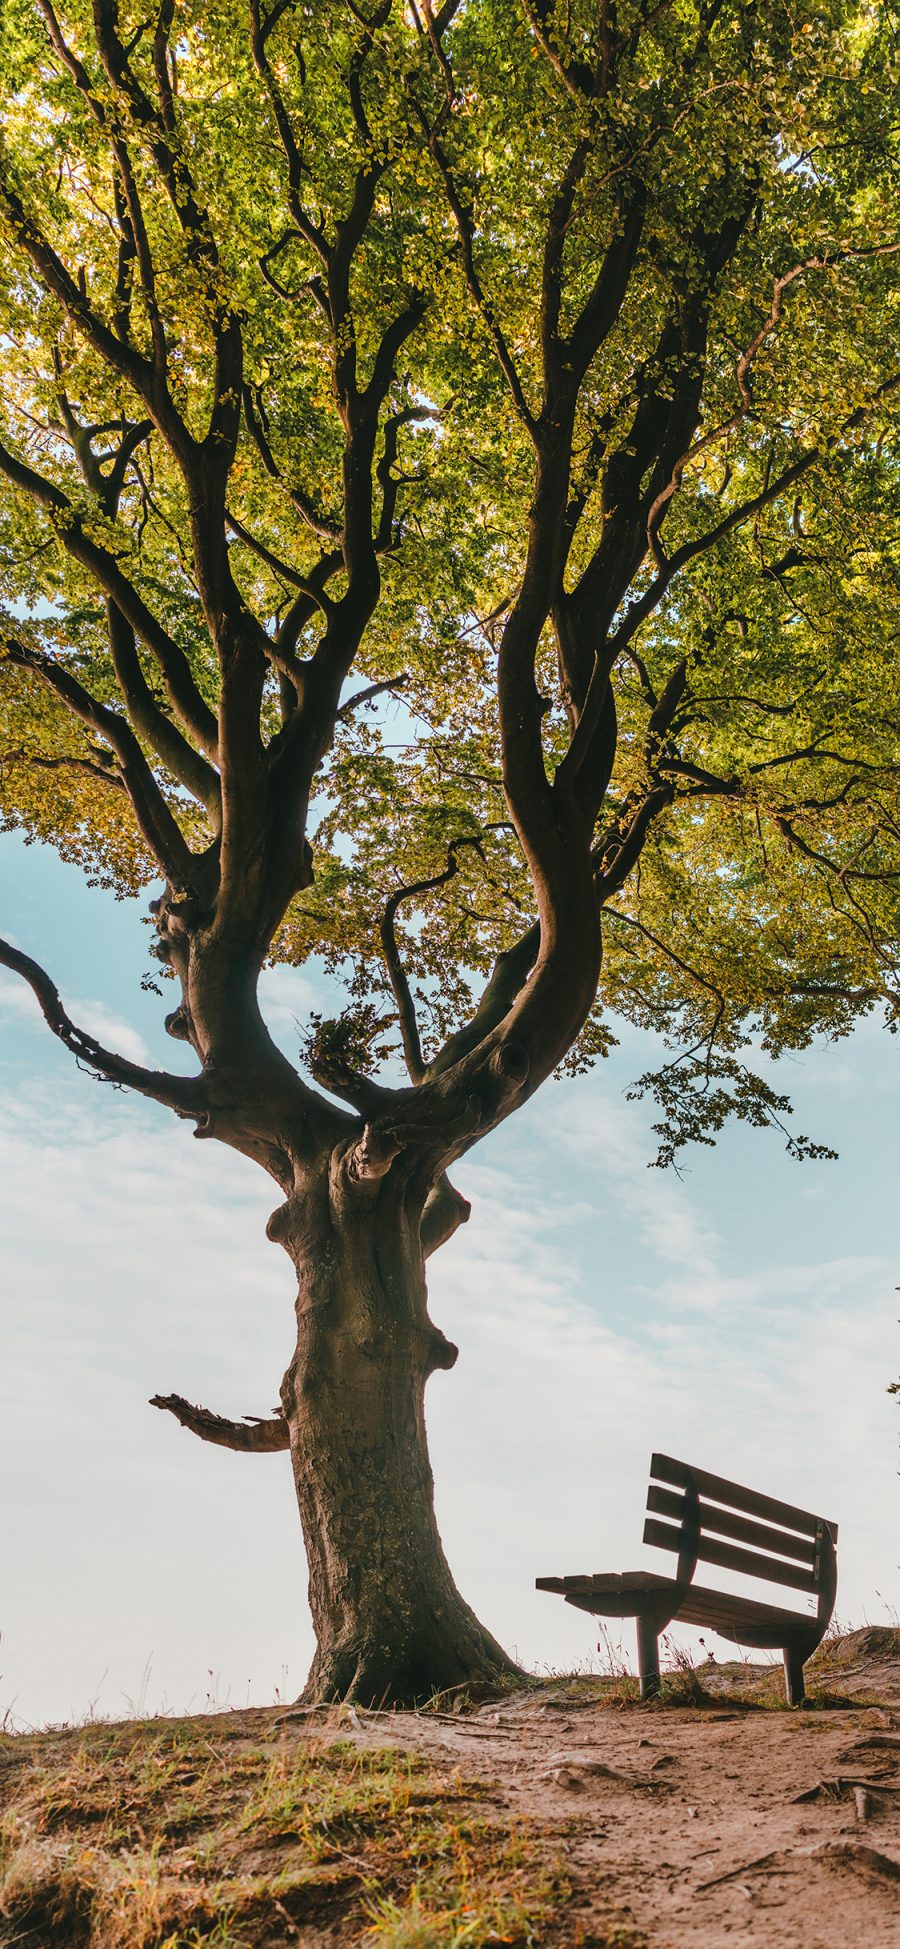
746 1868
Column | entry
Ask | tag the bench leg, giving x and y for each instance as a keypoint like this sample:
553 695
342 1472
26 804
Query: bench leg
793 1676
648 1657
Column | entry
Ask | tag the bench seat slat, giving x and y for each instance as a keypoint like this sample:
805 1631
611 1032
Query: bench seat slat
629 1593
606 1580
667 1502
728 1557
730 1614
663 1468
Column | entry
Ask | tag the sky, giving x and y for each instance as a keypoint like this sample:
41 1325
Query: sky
743 1318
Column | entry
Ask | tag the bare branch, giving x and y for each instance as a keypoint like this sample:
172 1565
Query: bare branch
321 524
184 1094
372 690
466 232
409 1028
87 765
248 1437
194 712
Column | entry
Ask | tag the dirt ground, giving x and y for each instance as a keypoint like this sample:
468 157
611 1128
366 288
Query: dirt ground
688 1826
714 1816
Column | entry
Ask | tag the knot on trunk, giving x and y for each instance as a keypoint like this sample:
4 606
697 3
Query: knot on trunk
505 1074
511 1062
305 872
176 921
179 1024
445 1210
441 1352
372 1156
279 1224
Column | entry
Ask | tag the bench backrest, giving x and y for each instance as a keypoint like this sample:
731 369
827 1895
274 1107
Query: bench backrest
788 1546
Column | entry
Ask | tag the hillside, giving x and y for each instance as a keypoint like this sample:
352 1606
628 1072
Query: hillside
565 1813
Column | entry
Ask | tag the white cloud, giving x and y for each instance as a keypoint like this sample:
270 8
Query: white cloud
601 1131
16 999
782 1388
286 996
136 1262
19 1003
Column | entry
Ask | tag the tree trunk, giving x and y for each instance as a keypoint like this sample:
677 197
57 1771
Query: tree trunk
390 1625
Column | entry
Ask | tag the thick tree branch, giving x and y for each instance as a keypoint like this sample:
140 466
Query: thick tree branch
156 820
508 977
67 523
619 857
143 374
390 484
311 232
184 762
249 1437
607 297
184 1094
174 751
465 226
371 691
644 604
205 463
265 554
577 78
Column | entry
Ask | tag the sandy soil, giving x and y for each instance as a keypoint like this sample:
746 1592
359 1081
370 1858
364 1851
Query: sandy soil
713 1817
689 1826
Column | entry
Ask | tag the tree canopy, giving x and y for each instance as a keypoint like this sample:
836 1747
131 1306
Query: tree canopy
448 527
322 252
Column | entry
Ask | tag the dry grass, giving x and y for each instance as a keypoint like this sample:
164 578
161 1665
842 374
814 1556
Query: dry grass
176 1834
735 1684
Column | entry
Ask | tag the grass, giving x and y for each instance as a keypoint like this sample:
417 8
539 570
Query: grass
190 1835
732 1684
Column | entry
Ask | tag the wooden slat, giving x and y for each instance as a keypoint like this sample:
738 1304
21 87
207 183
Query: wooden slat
723 1522
710 1607
664 1469
729 1557
624 1580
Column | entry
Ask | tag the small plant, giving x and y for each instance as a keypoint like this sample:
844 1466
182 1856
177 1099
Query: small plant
681 1684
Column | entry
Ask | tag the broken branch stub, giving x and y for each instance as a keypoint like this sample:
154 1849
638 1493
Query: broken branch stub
253 1437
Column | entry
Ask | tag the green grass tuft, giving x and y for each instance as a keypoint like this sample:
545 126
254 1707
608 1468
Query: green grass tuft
191 1836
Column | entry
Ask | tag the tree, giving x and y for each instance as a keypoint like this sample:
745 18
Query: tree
447 502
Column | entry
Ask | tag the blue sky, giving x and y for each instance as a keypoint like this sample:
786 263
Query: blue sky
743 1318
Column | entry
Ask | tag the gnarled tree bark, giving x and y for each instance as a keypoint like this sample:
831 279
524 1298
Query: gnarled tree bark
390 1623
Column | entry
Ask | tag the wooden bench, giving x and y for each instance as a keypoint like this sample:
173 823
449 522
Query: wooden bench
708 1520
